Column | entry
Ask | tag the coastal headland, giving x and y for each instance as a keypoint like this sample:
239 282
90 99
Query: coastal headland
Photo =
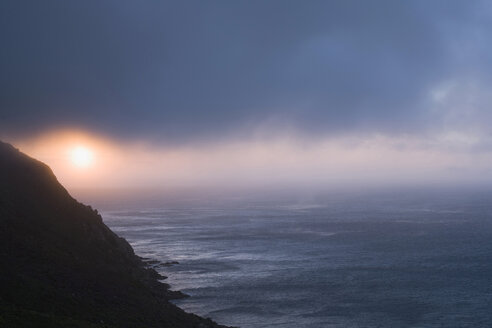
61 266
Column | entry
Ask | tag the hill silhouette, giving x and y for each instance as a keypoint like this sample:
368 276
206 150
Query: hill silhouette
61 266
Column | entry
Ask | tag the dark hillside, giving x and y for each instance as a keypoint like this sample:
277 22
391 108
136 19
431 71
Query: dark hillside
61 266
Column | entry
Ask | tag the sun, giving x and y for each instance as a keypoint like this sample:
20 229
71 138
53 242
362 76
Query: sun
81 156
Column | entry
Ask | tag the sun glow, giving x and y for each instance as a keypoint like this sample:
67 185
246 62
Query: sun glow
83 160
81 156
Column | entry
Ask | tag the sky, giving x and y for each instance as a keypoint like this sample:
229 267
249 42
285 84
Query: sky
173 93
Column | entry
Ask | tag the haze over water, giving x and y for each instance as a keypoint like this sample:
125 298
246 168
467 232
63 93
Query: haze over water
361 259
219 96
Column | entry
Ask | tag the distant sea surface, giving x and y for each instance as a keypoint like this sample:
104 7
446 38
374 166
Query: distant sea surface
395 259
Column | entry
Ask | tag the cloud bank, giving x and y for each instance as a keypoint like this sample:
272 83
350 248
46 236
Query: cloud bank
194 71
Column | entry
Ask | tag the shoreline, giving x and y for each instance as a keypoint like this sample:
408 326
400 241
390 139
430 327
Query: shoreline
61 265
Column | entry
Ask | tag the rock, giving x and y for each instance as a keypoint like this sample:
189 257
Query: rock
61 266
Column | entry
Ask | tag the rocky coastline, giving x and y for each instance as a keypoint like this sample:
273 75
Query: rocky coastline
61 266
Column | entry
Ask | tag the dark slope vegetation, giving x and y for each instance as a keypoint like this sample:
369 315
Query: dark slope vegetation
60 266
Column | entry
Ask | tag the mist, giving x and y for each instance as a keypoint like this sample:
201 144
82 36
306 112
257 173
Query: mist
265 163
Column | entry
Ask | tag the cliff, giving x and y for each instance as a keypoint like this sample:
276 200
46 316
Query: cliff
61 266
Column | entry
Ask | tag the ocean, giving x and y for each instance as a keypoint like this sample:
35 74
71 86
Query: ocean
361 259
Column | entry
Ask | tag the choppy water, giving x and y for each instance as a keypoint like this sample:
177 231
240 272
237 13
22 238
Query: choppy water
387 260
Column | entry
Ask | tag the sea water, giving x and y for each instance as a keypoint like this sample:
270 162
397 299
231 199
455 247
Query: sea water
397 259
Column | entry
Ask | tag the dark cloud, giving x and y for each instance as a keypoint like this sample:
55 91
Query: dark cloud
183 70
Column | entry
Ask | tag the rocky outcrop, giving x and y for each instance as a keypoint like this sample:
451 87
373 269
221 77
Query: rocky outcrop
61 266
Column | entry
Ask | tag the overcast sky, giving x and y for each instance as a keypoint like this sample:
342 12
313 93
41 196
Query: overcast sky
180 71
251 90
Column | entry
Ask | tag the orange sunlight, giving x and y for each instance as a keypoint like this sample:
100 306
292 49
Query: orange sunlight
82 160
81 156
